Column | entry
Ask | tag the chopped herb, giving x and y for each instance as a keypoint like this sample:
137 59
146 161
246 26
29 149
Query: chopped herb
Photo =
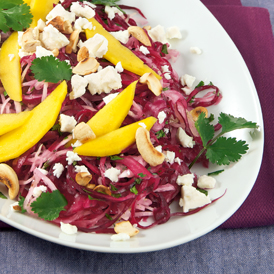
116 195
5 93
3 196
14 15
138 181
203 191
49 205
46 165
164 49
109 217
107 3
57 127
50 69
91 198
21 203
164 89
166 122
142 175
159 134
74 163
201 84
214 173
115 157
113 188
134 190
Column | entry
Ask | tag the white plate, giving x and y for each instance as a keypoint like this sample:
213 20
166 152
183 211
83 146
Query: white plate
220 63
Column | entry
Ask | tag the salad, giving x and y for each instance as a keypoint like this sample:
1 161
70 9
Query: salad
98 132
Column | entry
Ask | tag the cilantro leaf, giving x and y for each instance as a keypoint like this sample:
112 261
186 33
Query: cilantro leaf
205 129
164 49
226 150
49 205
21 203
3 196
107 3
230 123
15 15
51 69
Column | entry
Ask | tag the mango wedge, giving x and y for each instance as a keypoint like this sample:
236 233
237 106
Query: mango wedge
10 69
16 142
40 9
112 115
114 142
10 121
119 53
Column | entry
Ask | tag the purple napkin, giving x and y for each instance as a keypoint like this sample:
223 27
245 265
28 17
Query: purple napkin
250 29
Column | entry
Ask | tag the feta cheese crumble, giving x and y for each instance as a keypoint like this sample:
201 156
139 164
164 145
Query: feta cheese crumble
144 50
59 10
68 228
81 169
41 52
186 179
113 174
78 85
97 46
82 24
58 168
67 123
37 191
170 156
72 157
119 67
174 33
161 117
82 11
185 140
120 237
158 34
195 50
206 181
121 35
111 11
110 97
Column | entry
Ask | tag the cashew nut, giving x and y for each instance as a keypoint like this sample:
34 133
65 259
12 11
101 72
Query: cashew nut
55 52
30 41
82 54
151 155
197 111
62 25
83 178
86 66
152 82
140 35
147 27
102 189
73 41
9 178
83 132
126 227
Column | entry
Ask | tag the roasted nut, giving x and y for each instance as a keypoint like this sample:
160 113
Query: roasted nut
86 66
151 155
41 25
140 35
197 111
152 82
62 25
102 189
83 178
73 41
126 227
29 43
83 132
147 27
82 54
90 186
9 178
55 52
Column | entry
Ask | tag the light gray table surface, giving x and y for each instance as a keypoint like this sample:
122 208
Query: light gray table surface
220 251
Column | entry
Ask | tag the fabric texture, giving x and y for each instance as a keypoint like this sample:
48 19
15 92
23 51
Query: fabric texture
250 29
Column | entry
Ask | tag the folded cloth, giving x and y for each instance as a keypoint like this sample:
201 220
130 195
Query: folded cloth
250 29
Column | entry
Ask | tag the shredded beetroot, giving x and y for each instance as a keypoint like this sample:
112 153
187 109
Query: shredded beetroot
141 191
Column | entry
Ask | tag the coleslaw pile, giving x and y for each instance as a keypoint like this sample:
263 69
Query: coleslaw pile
137 191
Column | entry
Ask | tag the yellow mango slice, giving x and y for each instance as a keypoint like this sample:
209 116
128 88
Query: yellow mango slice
119 53
10 121
112 115
40 9
10 69
16 142
115 141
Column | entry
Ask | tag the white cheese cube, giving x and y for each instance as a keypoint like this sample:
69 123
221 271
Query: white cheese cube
58 168
121 35
206 181
161 117
68 228
82 11
78 85
144 50
72 157
186 179
192 198
97 46
40 52
185 140
52 38
113 174
67 123
105 80
59 10
174 32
